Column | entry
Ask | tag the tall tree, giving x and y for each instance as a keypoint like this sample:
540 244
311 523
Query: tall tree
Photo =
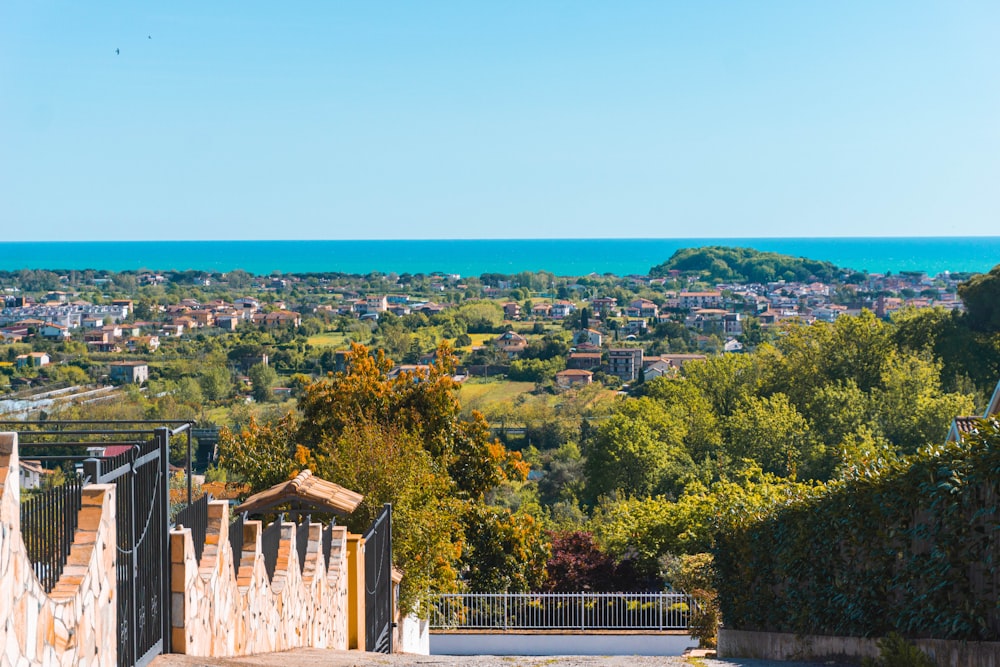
981 296
638 450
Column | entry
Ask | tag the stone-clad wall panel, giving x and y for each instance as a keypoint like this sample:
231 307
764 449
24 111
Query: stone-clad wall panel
222 608
76 624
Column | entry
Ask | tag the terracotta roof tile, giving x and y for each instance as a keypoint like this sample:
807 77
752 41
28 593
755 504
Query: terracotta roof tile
307 490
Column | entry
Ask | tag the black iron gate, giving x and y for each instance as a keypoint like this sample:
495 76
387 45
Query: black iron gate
140 476
378 583
132 455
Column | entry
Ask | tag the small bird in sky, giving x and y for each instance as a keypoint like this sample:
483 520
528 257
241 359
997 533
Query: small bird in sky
117 52
149 37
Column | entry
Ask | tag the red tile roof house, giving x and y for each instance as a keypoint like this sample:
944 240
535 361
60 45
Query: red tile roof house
572 377
32 359
512 310
512 344
642 308
278 318
584 360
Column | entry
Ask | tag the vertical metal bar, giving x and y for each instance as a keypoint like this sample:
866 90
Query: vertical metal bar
188 463
162 436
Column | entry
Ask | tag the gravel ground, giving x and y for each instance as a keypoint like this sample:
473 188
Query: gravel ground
322 658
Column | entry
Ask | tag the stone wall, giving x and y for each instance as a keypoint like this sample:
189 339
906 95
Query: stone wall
221 608
76 624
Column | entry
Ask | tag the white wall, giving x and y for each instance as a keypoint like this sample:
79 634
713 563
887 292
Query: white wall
414 636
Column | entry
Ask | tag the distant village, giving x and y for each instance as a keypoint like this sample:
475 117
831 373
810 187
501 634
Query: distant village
612 329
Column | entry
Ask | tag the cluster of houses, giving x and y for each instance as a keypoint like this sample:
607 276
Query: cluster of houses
105 329
190 314
56 316
587 357
373 306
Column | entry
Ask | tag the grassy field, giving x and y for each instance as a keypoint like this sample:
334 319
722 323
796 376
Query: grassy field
477 394
328 339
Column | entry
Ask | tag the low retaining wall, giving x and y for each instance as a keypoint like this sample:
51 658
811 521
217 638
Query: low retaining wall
786 646
221 608
559 643
76 624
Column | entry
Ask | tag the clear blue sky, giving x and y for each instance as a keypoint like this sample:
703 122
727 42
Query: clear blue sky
514 119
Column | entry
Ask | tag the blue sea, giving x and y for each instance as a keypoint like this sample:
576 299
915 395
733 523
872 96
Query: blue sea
565 257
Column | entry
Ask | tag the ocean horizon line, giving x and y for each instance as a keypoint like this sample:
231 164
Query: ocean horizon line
560 256
517 239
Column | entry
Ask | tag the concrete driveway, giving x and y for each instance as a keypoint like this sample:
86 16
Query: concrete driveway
324 658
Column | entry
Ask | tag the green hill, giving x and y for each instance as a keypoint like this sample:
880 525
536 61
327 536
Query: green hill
724 264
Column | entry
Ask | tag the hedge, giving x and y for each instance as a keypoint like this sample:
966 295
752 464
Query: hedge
911 550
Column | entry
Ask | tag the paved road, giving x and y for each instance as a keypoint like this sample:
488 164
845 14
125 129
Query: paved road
322 658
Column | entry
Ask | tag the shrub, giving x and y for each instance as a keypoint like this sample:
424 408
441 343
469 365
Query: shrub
894 651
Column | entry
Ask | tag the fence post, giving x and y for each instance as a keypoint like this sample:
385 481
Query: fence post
92 471
505 613
162 437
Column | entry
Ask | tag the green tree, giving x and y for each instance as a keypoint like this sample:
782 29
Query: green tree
505 551
389 464
912 410
981 296
771 432
684 399
216 383
262 454
638 451
263 378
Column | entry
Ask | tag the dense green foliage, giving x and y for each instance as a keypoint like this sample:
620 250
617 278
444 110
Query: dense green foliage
648 475
724 264
909 549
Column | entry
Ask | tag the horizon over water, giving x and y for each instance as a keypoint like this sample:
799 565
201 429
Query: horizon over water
564 257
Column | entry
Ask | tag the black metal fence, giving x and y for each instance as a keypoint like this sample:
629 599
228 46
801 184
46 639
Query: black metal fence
378 583
327 544
270 541
143 567
133 456
195 517
48 522
236 539
302 541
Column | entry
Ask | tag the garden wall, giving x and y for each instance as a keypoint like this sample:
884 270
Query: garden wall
913 550
76 624
221 608
786 646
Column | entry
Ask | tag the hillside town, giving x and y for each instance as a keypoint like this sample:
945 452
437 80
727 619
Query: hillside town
606 328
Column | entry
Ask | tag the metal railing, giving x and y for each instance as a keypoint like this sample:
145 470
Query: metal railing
302 541
138 468
327 544
236 539
195 518
48 522
270 542
561 611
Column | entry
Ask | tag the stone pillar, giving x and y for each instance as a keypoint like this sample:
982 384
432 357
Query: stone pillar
355 592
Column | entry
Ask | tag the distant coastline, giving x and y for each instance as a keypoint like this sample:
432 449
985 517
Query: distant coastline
474 257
